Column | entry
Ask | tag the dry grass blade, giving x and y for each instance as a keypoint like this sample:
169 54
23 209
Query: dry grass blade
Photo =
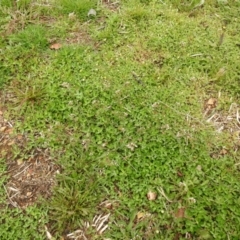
99 224
14 204
77 235
160 190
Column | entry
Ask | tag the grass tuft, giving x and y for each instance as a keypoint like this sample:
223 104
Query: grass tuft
79 7
32 37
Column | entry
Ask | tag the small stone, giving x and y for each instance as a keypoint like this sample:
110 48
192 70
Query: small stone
91 12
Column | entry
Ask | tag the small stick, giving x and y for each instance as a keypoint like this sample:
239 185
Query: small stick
209 119
13 203
238 119
22 171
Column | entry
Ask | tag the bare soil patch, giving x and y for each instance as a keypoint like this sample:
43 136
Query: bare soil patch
224 121
79 36
111 4
29 179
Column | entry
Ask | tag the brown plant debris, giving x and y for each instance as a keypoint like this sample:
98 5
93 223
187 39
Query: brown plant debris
226 121
29 178
110 4
55 46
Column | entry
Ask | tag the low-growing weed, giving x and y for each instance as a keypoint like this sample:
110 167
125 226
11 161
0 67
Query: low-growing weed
141 120
79 7
32 37
23 224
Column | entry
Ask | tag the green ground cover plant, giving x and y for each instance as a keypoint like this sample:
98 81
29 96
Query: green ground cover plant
137 104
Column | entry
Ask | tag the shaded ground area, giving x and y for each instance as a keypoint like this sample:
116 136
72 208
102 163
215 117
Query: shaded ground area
30 179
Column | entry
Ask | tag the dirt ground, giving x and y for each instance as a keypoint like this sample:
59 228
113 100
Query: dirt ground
28 179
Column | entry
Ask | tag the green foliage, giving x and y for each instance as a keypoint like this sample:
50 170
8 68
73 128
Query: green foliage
32 37
123 115
6 3
23 4
3 71
137 12
77 194
20 5
20 224
79 7
16 223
